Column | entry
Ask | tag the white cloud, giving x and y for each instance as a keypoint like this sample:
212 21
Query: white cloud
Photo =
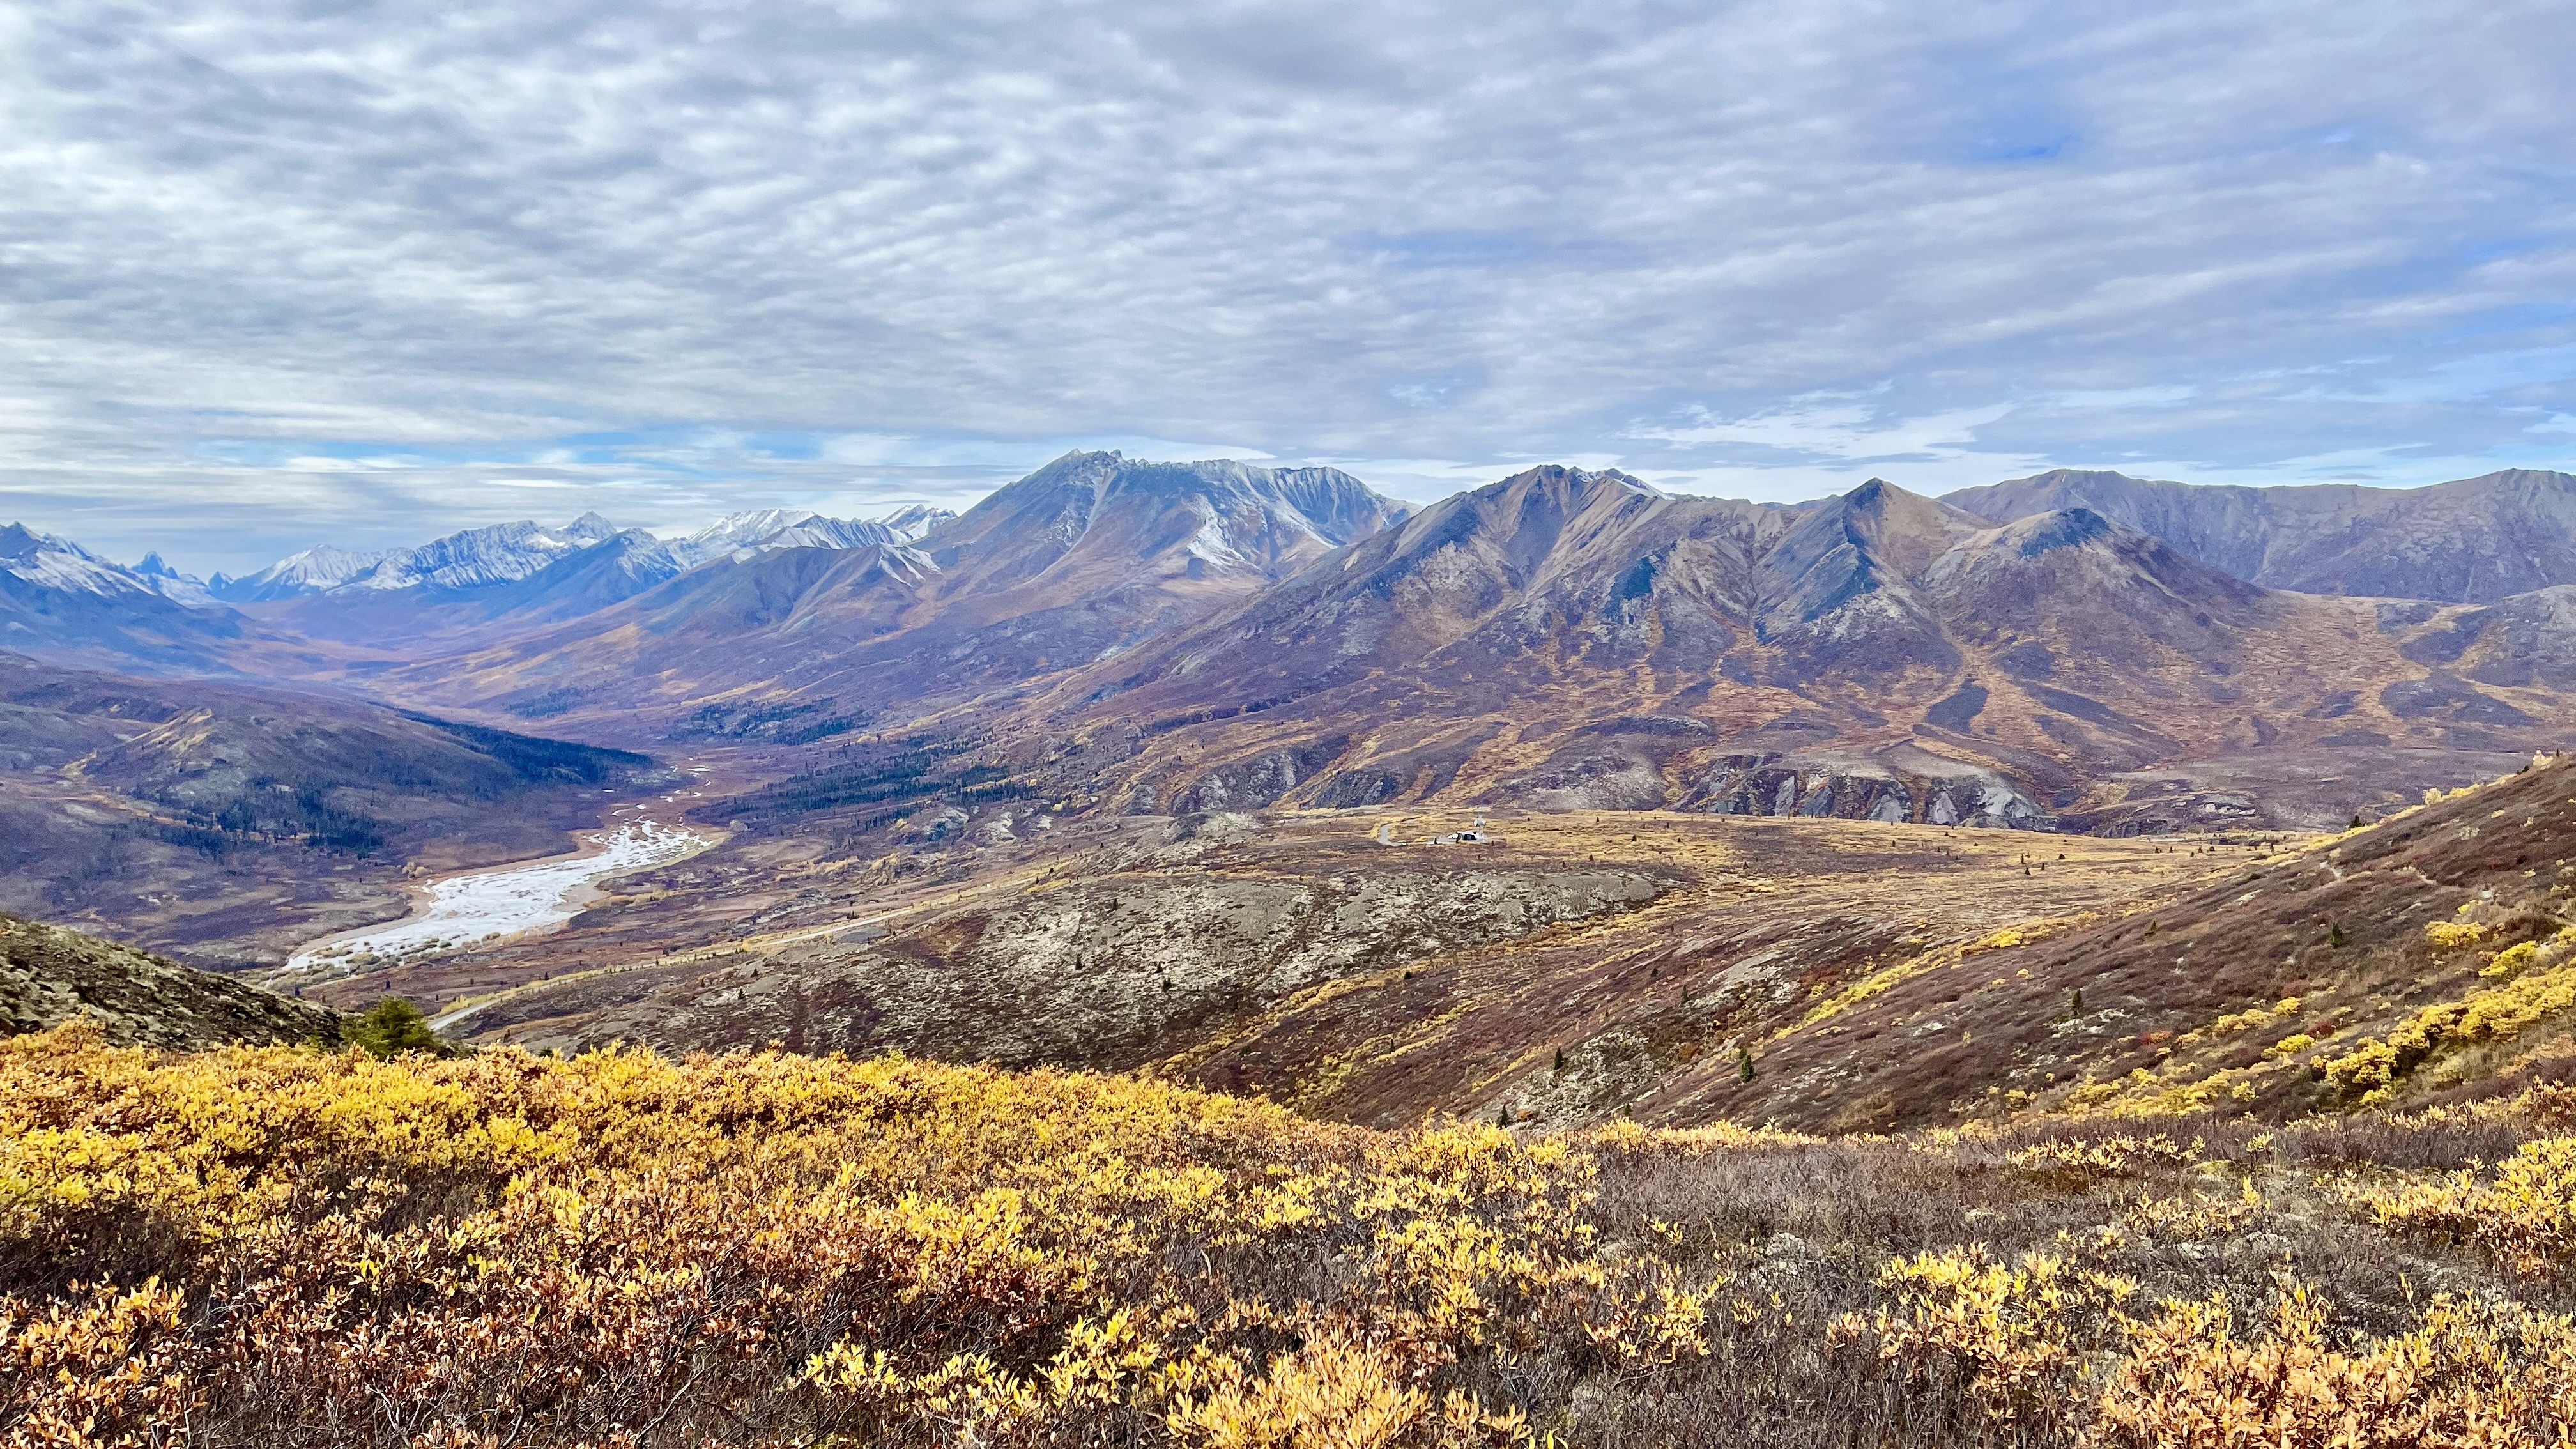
801 251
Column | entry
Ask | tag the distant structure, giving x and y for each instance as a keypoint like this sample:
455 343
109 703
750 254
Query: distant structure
1474 834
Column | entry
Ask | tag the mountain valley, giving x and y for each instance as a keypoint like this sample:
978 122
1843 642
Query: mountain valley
1256 777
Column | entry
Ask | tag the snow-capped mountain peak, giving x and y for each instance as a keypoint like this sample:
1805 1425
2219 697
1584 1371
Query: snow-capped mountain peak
469 559
49 562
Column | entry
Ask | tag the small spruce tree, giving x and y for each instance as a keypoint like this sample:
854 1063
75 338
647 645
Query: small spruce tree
392 1027
1744 1062
1560 1060
2075 1004
2334 934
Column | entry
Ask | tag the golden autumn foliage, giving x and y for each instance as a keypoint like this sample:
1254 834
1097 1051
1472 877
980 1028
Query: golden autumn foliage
274 1246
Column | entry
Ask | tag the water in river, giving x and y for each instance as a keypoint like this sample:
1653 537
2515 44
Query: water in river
507 900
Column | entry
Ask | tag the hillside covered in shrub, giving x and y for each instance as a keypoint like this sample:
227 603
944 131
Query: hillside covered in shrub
286 1246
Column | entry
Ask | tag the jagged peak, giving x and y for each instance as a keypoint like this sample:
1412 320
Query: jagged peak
19 541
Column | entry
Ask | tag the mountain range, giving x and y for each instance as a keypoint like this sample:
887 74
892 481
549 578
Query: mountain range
1080 560
1582 640
1067 777
2477 540
503 553
2078 649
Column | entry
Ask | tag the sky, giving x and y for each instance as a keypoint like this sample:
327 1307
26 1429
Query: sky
274 274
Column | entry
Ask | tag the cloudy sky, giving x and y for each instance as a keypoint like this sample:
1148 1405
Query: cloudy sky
276 273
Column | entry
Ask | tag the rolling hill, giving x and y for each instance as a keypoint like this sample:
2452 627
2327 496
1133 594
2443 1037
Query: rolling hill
49 975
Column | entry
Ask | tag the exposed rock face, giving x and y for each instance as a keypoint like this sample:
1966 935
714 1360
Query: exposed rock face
49 975
1901 783
2473 541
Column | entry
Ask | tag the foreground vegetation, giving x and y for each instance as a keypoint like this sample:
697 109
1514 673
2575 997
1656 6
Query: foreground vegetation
283 1246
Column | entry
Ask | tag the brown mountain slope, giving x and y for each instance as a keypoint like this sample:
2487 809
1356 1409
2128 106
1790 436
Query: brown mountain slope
49 975
1079 560
1580 640
2476 540
2414 958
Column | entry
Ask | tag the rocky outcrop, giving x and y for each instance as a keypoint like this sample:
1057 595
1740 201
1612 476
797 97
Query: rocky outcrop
1903 784
48 975
1115 972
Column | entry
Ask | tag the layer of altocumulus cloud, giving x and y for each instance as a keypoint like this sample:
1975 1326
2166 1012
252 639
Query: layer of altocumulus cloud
363 272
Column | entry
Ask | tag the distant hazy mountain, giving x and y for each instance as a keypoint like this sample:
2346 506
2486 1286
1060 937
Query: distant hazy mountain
615 568
2473 541
913 520
472 558
793 528
171 584
1082 558
313 571
44 561
58 598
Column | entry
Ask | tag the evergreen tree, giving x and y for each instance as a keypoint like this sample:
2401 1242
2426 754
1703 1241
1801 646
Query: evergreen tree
392 1027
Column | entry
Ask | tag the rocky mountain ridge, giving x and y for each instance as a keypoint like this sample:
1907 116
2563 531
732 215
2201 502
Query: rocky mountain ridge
794 528
2475 540
1587 641
1078 561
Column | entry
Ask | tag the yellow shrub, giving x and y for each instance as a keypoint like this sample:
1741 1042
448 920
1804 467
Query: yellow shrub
2525 1212
2512 961
2016 1329
2077 1164
2466 1377
962 1253
2500 1014
2452 935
